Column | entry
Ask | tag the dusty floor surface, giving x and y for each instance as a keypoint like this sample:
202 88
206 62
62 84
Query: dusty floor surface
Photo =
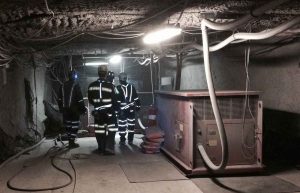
128 171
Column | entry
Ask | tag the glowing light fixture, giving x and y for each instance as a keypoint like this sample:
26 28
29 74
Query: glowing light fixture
98 63
115 59
161 35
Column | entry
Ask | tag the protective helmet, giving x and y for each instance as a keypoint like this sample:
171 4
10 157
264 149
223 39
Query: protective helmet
73 75
123 76
102 71
110 76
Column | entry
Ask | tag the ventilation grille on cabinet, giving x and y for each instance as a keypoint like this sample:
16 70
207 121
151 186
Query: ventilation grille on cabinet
230 107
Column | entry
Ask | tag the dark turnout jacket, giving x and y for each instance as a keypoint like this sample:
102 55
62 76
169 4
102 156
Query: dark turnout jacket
102 95
128 97
70 98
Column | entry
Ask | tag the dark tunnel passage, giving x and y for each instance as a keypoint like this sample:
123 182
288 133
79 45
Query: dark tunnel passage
143 96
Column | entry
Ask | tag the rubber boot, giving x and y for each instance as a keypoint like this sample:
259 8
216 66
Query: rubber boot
72 143
122 139
110 144
130 138
101 140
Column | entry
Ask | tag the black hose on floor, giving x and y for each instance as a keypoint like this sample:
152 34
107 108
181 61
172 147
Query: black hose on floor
10 186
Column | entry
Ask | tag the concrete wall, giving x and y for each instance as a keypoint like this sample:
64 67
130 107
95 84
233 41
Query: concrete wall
276 74
13 122
228 73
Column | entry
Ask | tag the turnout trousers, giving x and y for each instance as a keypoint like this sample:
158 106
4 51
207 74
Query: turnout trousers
105 129
71 123
126 124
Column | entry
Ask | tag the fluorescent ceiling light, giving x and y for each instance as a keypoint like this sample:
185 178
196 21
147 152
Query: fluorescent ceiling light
161 35
96 63
115 59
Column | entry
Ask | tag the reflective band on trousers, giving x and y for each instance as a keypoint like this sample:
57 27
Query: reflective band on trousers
106 100
113 129
97 126
73 122
103 100
72 126
99 131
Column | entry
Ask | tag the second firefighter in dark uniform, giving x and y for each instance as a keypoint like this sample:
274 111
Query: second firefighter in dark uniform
129 102
102 96
70 102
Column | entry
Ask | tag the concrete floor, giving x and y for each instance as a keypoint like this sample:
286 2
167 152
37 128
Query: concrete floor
129 171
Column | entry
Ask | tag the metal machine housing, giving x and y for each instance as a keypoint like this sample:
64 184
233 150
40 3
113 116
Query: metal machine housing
187 120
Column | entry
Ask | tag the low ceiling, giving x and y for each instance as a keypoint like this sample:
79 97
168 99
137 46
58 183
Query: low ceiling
96 26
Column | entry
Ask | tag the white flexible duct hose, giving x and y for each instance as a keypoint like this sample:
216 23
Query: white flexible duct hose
213 99
206 49
22 152
232 25
141 124
255 13
248 36
144 62
256 36
220 125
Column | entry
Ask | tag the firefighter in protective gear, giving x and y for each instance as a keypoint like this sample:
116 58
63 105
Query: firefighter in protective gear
71 105
110 78
129 102
102 96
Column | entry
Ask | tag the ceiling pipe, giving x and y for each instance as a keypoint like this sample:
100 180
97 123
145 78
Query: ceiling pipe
223 26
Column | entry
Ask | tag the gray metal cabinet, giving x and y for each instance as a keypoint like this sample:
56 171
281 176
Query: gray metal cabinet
187 119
